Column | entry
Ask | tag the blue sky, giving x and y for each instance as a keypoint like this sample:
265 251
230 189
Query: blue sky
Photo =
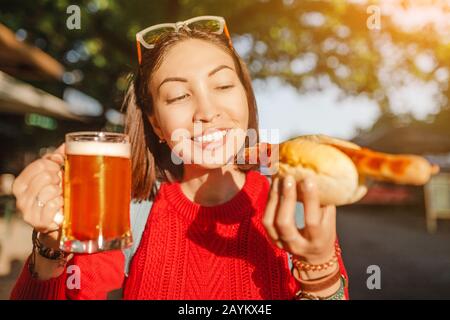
282 107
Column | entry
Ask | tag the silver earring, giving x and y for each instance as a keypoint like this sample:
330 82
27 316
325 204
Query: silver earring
161 141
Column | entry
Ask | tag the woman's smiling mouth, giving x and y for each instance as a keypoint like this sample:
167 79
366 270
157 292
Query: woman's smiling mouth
211 139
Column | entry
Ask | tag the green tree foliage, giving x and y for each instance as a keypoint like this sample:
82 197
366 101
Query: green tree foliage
306 43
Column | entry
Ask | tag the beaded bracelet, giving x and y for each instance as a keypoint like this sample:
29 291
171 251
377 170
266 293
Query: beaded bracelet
304 266
338 295
48 253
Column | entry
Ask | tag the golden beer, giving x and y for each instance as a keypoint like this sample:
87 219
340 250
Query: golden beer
97 192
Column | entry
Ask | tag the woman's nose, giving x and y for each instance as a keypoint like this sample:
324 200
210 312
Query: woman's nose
206 109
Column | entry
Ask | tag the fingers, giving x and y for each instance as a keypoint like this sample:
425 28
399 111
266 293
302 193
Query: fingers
279 217
61 149
49 162
48 180
43 188
22 181
49 192
309 194
38 191
320 221
47 217
52 197
285 219
269 214
57 156
43 218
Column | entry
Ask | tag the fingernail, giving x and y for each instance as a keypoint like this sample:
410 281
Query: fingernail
288 182
279 244
307 184
59 218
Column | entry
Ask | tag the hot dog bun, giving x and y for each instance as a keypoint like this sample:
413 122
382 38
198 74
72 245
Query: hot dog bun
336 175
341 167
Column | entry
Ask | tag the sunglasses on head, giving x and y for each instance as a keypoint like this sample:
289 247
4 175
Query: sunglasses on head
149 36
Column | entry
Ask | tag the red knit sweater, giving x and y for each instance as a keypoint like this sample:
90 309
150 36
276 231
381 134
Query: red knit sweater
187 251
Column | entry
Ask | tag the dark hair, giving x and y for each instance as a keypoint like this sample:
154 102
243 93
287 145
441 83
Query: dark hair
150 159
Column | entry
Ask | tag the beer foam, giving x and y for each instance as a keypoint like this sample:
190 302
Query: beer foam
93 148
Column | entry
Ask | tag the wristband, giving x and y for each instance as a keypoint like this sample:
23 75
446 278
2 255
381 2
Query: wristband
48 253
338 295
320 284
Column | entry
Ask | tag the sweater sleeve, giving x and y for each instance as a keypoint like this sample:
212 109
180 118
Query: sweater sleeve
29 288
87 276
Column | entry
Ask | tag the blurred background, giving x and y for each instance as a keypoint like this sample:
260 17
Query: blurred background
375 72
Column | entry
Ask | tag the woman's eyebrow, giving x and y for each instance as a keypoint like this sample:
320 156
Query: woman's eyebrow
212 72
172 79
217 69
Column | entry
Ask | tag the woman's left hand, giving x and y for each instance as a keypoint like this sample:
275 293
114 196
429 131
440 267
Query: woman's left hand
315 243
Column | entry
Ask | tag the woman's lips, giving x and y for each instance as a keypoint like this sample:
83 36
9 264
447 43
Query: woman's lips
211 140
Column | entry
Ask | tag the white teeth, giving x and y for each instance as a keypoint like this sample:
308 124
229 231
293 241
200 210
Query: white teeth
211 137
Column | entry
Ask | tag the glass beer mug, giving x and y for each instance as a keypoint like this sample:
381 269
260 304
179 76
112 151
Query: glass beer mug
97 192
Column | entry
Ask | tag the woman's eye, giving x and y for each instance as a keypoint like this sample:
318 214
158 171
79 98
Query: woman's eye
177 98
225 87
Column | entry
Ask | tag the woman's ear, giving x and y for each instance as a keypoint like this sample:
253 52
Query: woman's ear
156 127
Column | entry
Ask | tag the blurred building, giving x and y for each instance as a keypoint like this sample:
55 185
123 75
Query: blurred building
32 122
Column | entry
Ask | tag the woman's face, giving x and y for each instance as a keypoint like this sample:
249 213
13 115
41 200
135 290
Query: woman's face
200 105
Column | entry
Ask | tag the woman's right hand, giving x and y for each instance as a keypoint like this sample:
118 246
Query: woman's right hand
38 193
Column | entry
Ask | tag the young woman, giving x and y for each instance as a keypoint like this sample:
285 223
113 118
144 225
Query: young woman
216 230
